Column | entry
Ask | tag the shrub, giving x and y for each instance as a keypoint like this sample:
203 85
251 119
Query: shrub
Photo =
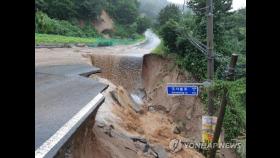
235 114
120 31
89 30
169 34
46 25
104 43
125 31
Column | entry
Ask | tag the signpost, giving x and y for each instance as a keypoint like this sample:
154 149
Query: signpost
182 90
192 89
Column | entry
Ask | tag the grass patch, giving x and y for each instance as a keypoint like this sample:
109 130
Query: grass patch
58 39
160 50
48 39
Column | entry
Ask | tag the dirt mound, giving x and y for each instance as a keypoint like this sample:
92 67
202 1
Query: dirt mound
155 127
104 22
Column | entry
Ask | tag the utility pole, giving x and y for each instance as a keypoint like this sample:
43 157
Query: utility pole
210 66
218 128
231 68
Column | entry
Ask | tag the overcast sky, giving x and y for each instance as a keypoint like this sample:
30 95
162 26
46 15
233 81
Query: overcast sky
237 4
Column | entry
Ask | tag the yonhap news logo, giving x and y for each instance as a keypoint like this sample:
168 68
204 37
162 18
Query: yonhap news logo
176 145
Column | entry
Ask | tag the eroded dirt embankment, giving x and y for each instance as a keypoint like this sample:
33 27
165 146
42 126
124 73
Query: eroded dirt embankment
118 123
152 73
186 111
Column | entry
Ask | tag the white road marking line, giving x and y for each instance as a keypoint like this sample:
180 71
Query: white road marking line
54 139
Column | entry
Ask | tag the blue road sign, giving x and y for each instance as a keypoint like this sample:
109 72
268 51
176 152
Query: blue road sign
182 90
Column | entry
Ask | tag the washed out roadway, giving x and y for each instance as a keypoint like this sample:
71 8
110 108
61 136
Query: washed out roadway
60 93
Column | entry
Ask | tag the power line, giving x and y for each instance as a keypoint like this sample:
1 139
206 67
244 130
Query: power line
203 49
217 55
197 45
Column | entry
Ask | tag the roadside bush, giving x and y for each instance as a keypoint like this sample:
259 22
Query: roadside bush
235 115
161 50
65 28
131 29
89 30
169 34
42 22
135 36
120 31
104 43
128 31
46 25
175 39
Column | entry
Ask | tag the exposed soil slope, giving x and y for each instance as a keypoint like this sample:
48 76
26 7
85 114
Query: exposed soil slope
104 22
186 111
155 126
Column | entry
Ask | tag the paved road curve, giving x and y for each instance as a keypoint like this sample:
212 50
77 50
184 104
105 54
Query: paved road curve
152 41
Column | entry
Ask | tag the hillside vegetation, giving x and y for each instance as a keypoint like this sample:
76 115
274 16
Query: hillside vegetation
179 32
76 18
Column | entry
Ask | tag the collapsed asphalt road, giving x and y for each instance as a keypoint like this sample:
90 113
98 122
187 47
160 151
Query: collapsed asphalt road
123 66
64 98
137 106
68 70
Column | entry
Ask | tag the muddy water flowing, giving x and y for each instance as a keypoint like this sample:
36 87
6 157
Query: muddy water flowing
121 70
124 66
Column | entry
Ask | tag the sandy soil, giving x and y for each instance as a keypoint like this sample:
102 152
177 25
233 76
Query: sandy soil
155 127
105 22
186 111
59 56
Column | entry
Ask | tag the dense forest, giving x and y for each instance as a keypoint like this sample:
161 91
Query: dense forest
62 17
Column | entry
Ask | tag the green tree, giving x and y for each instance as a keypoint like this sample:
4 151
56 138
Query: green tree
169 34
69 9
40 5
89 9
171 11
124 11
220 10
235 34
60 9
142 24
